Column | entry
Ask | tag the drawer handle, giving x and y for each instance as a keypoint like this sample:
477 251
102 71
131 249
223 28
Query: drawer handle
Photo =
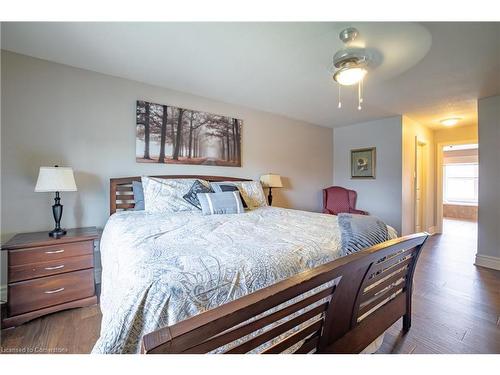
54 291
55 251
54 268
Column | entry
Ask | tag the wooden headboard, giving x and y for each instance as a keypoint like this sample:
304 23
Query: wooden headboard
121 196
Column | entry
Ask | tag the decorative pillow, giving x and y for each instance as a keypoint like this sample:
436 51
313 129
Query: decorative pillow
252 193
138 195
227 202
227 186
166 195
197 187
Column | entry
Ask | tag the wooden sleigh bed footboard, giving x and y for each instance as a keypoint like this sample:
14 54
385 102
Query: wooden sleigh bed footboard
339 307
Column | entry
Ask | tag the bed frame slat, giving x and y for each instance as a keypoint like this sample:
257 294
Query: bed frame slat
369 305
278 330
125 197
295 338
388 271
388 263
370 293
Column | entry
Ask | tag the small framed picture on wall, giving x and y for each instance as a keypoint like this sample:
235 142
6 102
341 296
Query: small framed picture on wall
363 162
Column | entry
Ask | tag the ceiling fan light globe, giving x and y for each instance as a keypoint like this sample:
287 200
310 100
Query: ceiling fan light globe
349 76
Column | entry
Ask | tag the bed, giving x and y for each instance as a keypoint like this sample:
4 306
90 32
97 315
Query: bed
268 281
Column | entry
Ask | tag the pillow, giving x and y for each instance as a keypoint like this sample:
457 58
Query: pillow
138 195
252 193
227 186
166 195
197 187
226 202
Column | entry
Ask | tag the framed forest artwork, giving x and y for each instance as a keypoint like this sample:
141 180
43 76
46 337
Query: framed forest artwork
173 135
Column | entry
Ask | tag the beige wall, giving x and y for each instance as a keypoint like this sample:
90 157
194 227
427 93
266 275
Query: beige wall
412 132
456 134
56 114
380 196
488 252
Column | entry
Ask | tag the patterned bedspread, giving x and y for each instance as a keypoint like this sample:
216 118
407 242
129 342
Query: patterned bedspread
159 269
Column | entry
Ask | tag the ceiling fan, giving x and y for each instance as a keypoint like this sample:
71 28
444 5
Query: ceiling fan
350 64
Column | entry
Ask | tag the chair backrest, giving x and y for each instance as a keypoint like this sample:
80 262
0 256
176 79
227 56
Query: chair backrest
353 196
337 199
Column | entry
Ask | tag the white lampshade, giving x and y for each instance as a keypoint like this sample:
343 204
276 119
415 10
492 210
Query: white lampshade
55 179
271 180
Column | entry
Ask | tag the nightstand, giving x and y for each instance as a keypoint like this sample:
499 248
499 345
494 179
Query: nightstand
48 274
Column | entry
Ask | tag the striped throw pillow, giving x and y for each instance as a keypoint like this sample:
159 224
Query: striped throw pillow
227 202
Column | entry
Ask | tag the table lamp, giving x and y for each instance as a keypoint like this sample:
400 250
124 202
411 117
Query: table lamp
56 179
271 181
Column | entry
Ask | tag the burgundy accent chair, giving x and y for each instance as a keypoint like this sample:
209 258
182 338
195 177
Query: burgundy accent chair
337 200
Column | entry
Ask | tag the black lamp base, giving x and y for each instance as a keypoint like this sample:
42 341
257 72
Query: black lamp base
58 232
57 210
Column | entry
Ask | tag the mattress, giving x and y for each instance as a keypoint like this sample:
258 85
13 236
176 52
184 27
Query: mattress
159 269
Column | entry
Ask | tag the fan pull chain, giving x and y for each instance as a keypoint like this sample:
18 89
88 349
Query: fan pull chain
360 100
362 89
340 103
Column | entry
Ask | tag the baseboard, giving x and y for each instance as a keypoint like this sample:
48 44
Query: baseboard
487 261
432 230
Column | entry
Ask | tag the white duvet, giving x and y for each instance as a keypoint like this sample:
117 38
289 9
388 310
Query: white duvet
159 269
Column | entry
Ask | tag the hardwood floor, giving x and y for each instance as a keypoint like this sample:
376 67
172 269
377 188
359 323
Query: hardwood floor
456 308
456 305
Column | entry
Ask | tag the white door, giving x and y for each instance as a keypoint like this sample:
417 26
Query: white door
419 175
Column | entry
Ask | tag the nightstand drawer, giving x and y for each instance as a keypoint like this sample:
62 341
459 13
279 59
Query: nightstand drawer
48 291
49 253
54 267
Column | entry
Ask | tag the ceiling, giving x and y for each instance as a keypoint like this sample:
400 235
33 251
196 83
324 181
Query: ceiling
426 71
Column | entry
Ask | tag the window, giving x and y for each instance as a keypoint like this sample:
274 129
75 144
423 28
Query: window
461 183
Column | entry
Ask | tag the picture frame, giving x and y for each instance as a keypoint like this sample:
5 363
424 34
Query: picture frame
363 163
168 134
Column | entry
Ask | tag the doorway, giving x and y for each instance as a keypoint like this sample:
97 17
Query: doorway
457 185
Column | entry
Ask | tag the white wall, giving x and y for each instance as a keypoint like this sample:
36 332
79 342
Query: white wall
489 183
56 114
380 196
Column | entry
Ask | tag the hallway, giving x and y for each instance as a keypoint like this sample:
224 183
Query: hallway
456 305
